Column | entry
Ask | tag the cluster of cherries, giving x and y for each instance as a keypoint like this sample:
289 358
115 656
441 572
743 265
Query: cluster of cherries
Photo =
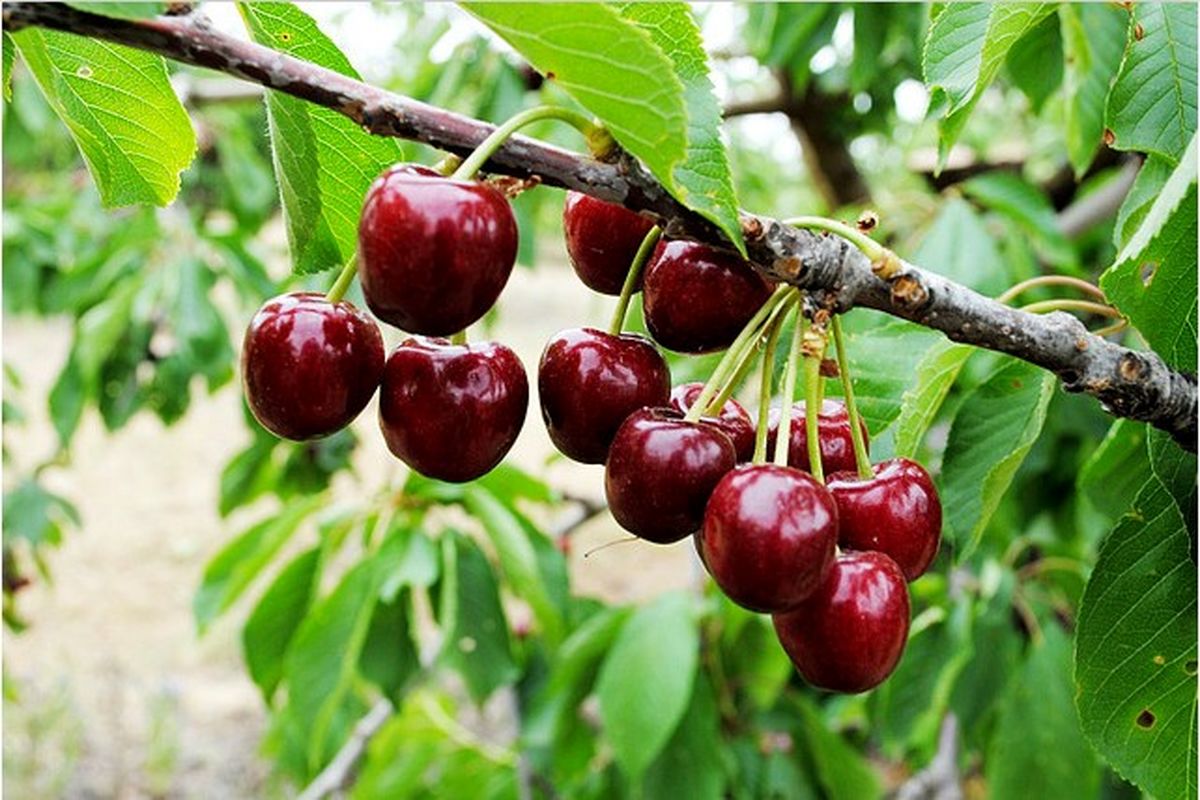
435 253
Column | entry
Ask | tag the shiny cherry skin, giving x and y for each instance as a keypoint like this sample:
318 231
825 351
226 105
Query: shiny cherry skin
434 253
661 471
602 239
833 427
452 411
589 381
769 536
849 635
896 512
309 366
733 420
697 299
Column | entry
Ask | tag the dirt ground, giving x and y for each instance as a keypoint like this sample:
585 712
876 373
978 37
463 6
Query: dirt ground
116 695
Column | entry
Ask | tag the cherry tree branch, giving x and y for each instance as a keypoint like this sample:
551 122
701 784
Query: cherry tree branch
1133 384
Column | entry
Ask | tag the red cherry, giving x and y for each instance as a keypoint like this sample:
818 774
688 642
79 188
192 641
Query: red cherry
697 299
833 427
602 239
897 512
433 252
661 471
309 366
589 381
849 635
769 536
733 420
452 411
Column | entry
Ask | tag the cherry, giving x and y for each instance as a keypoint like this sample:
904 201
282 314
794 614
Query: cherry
602 239
433 252
661 471
697 299
733 420
769 536
589 381
309 366
849 635
452 411
833 427
896 512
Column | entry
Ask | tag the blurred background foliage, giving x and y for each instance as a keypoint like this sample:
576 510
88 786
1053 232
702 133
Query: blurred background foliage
826 115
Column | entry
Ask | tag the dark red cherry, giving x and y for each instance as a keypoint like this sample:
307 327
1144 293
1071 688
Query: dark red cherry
897 512
452 411
309 366
769 536
833 426
733 419
696 298
849 636
602 239
433 252
661 471
589 381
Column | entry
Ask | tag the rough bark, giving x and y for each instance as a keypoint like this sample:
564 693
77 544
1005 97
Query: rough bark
1133 384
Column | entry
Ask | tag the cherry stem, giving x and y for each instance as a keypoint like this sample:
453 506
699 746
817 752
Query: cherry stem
870 248
344 279
783 437
1072 305
764 391
1051 280
721 373
460 337
746 360
812 407
861 460
631 278
596 136
1108 330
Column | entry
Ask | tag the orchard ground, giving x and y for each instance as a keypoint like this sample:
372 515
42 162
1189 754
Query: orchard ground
118 696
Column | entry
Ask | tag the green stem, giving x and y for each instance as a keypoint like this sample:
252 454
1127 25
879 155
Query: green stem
870 248
812 407
496 139
344 279
764 391
1050 280
746 360
631 279
783 437
861 460
721 373
1072 305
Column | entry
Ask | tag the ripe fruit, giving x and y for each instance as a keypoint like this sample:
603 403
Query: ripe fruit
433 252
661 471
589 381
769 535
849 635
897 512
309 366
452 411
733 420
696 298
833 426
602 239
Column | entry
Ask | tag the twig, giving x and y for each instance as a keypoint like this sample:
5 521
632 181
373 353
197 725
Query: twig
341 771
1131 384
940 780
1099 205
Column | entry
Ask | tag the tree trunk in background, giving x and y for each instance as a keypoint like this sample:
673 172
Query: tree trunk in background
826 152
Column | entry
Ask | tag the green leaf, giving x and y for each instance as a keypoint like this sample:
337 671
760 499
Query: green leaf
690 763
964 50
936 372
67 399
6 65
871 22
247 475
35 515
1152 106
645 682
517 557
1035 62
1037 749
138 10
1153 280
1093 36
959 247
1023 203
1176 470
277 617
992 433
647 82
389 656
1135 648
1116 470
1147 186
475 633
120 109
702 182
238 563
324 163
843 773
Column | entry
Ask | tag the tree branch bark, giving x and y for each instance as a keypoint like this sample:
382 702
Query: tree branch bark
1132 384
